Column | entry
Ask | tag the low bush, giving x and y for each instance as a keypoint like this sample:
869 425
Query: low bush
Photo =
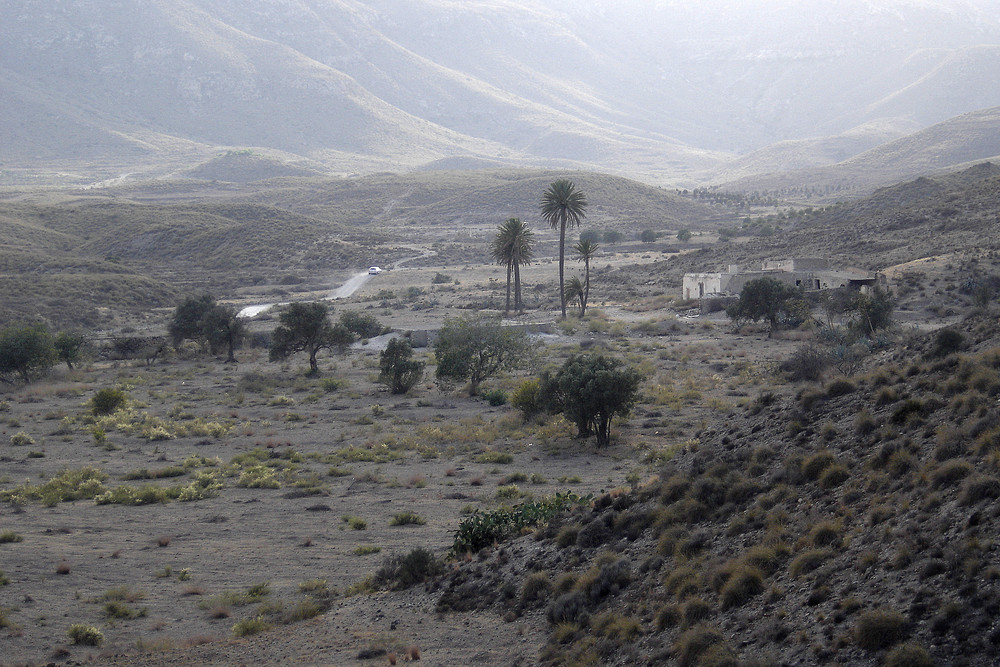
535 588
406 519
108 401
950 473
85 635
744 583
808 561
978 488
909 655
695 647
250 626
402 571
568 608
879 629
814 466
834 476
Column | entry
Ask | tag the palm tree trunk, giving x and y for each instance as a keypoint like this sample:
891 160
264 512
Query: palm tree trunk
586 288
562 262
510 267
517 287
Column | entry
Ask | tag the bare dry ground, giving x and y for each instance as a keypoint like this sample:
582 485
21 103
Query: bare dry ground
343 457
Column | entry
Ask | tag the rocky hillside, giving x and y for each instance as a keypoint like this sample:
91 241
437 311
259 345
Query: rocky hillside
848 521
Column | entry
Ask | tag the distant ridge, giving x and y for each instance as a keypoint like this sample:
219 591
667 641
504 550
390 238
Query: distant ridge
943 147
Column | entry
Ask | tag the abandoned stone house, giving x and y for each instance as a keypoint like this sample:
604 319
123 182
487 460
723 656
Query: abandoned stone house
810 273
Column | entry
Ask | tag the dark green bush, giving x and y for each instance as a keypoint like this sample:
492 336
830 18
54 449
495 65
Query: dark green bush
743 583
495 397
107 401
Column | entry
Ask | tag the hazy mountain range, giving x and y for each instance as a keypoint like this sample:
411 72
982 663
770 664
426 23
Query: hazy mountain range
668 91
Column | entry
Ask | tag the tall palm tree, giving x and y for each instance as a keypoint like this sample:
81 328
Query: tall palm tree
585 251
512 247
562 203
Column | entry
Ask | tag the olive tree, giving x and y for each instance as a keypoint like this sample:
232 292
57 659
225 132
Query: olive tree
477 347
591 390
187 320
224 329
26 351
69 347
398 369
306 327
763 298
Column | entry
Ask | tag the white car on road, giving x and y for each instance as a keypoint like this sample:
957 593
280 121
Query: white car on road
374 270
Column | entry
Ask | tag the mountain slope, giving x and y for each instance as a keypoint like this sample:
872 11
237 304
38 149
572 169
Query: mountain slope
362 85
967 138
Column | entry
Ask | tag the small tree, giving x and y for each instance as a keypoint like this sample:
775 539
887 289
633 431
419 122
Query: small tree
223 328
186 323
872 311
69 346
398 370
306 327
763 298
591 390
591 235
648 236
585 251
477 347
26 351
613 237
575 292
684 235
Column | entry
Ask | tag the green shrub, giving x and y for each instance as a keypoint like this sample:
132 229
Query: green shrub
85 635
908 655
526 398
406 519
879 629
495 457
495 397
108 401
9 536
21 439
250 626
483 529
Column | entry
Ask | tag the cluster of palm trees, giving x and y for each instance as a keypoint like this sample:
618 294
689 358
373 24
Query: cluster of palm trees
562 205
